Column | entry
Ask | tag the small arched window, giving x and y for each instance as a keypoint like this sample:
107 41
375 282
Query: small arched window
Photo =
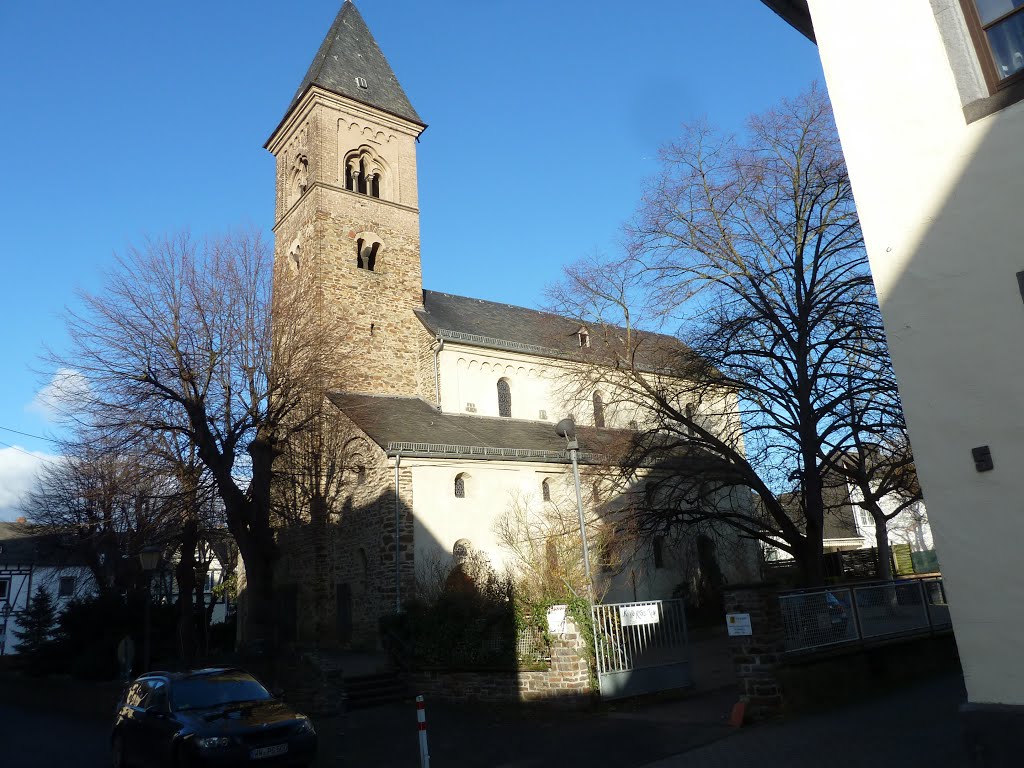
545 490
366 254
460 485
598 410
504 398
360 475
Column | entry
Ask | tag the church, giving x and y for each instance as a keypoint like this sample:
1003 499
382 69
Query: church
449 404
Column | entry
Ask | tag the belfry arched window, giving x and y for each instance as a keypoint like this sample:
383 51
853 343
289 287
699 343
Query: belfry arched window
368 249
545 490
365 172
504 398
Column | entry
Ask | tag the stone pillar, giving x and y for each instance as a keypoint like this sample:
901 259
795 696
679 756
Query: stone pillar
758 656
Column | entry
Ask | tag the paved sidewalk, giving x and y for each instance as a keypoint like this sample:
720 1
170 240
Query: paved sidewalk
916 726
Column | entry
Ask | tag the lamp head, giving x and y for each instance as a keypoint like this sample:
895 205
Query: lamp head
566 428
149 557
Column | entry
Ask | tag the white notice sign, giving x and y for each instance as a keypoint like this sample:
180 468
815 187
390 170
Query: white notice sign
634 615
739 624
556 619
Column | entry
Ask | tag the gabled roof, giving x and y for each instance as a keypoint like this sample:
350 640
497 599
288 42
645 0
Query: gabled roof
416 427
503 326
349 52
26 544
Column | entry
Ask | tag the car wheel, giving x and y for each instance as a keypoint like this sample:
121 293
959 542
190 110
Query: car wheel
117 753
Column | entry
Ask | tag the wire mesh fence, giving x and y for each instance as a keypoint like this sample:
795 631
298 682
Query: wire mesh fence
814 619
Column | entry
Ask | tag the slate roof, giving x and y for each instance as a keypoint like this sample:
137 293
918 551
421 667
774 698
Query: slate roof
400 422
490 324
796 13
25 544
349 51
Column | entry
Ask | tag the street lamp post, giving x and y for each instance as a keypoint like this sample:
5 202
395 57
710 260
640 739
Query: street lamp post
149 559
567 429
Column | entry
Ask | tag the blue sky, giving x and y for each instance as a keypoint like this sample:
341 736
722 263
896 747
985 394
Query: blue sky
123 119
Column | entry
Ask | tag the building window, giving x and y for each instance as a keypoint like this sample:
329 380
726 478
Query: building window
634 426
5 588
360 475
584 337
364 172
366 253
997 27
545 490
598 410
658 548
504 398
66 586
460 485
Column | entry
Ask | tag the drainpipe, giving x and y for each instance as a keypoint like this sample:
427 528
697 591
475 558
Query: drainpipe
437 373
398 523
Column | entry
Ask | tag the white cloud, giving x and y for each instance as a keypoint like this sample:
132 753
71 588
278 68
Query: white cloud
66 386
17 473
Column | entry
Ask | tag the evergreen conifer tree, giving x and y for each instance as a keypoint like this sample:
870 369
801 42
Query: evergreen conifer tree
35 638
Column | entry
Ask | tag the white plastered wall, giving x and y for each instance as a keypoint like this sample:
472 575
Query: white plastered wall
939 203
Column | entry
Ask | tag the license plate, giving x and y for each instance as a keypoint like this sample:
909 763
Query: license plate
274 751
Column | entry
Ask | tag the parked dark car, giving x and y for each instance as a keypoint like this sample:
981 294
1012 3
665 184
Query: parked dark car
208 717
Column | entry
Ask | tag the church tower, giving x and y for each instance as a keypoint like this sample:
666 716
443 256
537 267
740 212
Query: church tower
347 216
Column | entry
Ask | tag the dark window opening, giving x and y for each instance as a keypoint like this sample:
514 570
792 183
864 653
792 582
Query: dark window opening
375 185
460 486
598 410
5 588
360 475
349 181
545 490
504 398
366 255
66 587
361 180
584 339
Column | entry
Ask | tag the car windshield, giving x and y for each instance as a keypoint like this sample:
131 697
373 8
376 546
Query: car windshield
216 690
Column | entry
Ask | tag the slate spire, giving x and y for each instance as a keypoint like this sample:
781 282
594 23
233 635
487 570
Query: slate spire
349 58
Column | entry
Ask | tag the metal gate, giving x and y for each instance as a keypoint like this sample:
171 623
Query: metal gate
641 647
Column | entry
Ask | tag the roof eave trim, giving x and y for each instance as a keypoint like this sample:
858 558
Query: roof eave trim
796 14
266 145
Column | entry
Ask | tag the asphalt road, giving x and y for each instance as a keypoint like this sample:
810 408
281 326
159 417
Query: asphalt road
33 739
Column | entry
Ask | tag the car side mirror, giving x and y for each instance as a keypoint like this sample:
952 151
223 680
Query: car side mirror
277 693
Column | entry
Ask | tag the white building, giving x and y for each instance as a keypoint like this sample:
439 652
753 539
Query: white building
927 97
33 560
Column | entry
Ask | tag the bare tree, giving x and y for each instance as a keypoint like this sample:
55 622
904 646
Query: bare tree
187 340
749 250
111 502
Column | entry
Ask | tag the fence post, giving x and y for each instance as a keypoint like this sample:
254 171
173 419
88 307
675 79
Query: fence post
856 613
421 719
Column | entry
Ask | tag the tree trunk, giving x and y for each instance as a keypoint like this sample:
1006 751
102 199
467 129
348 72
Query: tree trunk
200 614
185 575
882 547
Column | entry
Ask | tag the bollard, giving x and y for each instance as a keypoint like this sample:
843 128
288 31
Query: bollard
421 720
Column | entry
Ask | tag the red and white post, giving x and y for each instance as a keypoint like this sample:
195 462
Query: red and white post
421 720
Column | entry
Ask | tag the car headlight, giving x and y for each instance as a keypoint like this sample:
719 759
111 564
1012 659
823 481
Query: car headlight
213 742
305 726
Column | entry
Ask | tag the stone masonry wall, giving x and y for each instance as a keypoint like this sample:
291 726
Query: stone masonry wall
758 656
565 683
